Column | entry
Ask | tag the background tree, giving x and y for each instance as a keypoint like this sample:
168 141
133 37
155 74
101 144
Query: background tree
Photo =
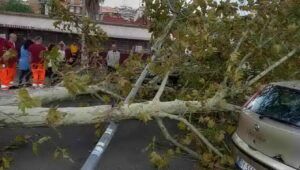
16 6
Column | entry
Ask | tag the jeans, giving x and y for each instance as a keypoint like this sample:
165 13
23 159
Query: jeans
24 74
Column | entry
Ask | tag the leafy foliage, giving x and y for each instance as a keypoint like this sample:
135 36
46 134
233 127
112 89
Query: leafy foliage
17 143
26 101
76 83
5 162
16 6
36 144
63 153
54 57
9 54
54 117
66 21
159 161
145 117
230 43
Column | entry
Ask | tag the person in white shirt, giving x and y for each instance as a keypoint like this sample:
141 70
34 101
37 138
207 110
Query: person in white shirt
113 58
61 50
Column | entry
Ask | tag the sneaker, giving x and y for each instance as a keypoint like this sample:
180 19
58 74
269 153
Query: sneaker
34 85
41 86
4 87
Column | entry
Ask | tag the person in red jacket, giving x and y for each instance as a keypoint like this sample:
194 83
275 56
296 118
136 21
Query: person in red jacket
3 69
12 61
36 51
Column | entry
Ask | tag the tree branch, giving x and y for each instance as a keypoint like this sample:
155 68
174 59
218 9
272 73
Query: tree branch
163 128
167 135
162 87
193 129
156 47
270 68
245 58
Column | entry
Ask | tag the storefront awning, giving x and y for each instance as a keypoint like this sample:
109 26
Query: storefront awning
46 24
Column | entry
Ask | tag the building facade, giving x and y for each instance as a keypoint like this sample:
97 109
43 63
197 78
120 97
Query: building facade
28 26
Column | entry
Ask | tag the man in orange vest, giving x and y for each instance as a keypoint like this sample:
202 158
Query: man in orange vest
36 51
3 69
12 61
8 61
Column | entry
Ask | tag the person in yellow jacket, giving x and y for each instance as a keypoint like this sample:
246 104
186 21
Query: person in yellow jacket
74 49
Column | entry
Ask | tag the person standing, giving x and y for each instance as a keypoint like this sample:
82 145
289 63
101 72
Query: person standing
4 76
62 51
113 58
74 49
24 66
36 51
49 71
12 61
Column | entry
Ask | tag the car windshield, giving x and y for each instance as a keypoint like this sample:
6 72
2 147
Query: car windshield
279 103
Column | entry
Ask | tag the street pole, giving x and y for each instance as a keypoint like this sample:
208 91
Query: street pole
94 158
83 38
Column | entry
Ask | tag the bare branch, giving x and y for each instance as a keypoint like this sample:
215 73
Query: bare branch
163 128
156 47
162 87
270 68
167 135
245 58
195 130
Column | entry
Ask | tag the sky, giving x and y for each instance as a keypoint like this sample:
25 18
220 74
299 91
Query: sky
131 3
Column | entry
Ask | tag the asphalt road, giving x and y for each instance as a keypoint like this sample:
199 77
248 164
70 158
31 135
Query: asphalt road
125 152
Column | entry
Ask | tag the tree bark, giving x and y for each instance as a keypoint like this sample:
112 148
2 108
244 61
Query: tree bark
88 115
47 95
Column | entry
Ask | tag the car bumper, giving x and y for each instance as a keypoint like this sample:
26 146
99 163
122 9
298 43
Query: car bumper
256 159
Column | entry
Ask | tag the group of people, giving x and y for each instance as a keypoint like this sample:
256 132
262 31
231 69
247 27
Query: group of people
30 61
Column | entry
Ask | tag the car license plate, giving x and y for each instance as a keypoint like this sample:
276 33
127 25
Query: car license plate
243 165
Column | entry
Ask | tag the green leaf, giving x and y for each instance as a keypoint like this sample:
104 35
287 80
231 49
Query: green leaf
181 126
106 99
56 153
5 162
54 117
35 148
158 161
26 101
63 153
43 139
145 117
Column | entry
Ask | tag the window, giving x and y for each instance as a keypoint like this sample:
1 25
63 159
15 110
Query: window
97 17
278 103
71 9
78 10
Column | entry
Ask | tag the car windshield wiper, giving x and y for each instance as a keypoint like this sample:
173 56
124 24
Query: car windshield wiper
277 119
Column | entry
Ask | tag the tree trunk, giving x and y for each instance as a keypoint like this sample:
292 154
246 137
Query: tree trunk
88 115
47 95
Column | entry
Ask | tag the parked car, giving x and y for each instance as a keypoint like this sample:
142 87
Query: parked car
268 133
